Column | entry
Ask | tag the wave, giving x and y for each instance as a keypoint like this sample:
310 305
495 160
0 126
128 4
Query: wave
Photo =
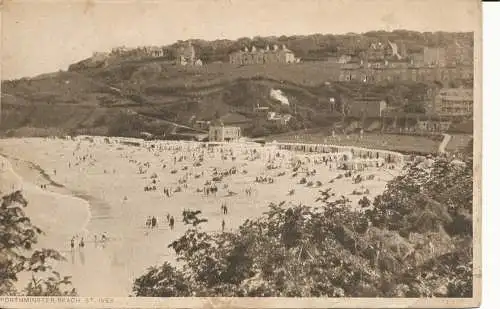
55 213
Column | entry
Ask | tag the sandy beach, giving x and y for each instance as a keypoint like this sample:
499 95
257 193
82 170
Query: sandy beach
98 186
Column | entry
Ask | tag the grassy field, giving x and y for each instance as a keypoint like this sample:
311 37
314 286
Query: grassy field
458 142
304 74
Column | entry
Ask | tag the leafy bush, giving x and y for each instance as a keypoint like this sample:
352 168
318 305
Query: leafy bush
17 238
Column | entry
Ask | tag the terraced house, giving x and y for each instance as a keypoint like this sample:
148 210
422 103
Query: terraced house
456 102
401 71
263 56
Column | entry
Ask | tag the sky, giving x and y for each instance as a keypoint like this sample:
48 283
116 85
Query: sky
41 36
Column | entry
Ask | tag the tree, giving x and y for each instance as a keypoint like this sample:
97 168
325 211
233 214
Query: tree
17 239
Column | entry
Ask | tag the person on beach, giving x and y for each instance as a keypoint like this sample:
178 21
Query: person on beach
148 222
223 225
172 222
82 244
72 243
224 208
153 222
103 238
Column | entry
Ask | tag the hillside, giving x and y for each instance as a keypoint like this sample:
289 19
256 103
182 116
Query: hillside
103 100
154 95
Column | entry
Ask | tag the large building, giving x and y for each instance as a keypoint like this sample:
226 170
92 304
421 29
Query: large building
221 133
454 102
262 56
379 52
434 56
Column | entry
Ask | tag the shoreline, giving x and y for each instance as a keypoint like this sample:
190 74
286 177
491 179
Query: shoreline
119 202
52 215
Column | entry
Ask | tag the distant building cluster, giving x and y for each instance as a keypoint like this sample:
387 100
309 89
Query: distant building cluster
438 102
184 55
263 56
401 71
391 62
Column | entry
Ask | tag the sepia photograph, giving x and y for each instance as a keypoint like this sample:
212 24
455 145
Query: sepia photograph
240 154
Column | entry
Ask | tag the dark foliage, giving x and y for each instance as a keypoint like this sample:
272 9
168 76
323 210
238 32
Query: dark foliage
17 239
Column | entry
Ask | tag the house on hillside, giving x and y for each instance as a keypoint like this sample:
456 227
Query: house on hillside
388 50
219 132
454 102
279 118
377 52
262 56
186 54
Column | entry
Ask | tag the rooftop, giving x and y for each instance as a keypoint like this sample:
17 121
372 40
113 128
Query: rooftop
254 50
